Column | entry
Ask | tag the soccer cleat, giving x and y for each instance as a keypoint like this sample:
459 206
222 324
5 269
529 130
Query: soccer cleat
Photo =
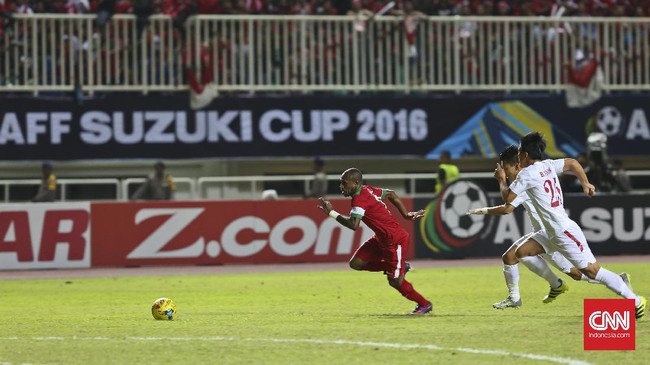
640 309
627 279
420 309
407 267
553 293
507 303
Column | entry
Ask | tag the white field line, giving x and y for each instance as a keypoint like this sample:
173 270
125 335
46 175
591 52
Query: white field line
401 346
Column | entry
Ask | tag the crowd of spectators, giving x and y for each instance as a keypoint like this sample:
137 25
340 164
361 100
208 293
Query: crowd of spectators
410 11
332 7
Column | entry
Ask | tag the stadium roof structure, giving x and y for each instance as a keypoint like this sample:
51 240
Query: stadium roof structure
500 124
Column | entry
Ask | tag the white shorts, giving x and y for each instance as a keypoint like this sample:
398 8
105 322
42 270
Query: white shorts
573 245
552 256
540 237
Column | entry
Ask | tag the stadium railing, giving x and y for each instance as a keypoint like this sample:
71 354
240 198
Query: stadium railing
54 52
62 187
186 187
251 187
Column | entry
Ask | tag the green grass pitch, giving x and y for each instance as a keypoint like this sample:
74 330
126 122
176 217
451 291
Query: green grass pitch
337 317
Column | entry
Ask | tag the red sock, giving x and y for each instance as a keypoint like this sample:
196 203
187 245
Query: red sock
409 293
375 266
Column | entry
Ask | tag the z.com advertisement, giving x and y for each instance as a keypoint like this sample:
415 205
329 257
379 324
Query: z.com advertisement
72 235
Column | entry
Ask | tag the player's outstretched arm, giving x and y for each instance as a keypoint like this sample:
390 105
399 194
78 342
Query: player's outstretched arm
502 209
392 197
326 207
573 166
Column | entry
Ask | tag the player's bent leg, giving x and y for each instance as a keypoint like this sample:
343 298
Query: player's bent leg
529 255
591 270
357 264
395 282
407 267
406 289
561 263
575 274
627 279
529 248
361 265
511 276
538 266
368 257
612 281
510 257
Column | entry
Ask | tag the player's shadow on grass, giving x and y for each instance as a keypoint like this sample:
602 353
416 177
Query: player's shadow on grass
400 316
566 318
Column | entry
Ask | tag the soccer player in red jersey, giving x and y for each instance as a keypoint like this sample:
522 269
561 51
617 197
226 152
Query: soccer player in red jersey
385 250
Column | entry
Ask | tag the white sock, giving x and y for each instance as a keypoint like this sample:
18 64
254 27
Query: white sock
616 284
537 265
511 273
591 281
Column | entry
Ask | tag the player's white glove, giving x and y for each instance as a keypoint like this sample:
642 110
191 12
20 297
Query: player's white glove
479 211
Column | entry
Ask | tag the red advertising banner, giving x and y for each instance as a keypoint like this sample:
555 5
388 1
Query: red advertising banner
217 232
44 236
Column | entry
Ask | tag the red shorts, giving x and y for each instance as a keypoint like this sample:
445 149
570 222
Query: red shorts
392 254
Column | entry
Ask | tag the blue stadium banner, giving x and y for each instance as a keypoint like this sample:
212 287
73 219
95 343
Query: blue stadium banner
613 224
163 126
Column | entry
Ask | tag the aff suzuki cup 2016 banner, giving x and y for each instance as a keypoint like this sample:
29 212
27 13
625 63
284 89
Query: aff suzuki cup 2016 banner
163 126
613 224
139 126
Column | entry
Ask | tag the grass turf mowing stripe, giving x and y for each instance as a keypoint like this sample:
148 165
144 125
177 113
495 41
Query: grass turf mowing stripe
553 359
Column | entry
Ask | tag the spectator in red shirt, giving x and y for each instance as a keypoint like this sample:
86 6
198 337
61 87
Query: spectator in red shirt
584 70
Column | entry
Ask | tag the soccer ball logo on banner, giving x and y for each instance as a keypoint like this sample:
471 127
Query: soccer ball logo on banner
609 121
446 225
456 201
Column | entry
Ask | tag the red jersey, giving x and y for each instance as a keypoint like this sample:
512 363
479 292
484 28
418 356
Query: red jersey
367 205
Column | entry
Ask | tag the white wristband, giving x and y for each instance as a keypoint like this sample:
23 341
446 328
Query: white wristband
483 211
333 214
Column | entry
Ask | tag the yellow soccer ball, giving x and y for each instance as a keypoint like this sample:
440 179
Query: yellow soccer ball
163 308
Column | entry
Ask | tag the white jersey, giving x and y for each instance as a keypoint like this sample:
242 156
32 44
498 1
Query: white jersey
540 181
524 199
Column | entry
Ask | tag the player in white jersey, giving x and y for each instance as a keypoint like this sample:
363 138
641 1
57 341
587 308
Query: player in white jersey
539 179
536 264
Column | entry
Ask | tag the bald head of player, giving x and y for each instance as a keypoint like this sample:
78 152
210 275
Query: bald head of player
351 180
